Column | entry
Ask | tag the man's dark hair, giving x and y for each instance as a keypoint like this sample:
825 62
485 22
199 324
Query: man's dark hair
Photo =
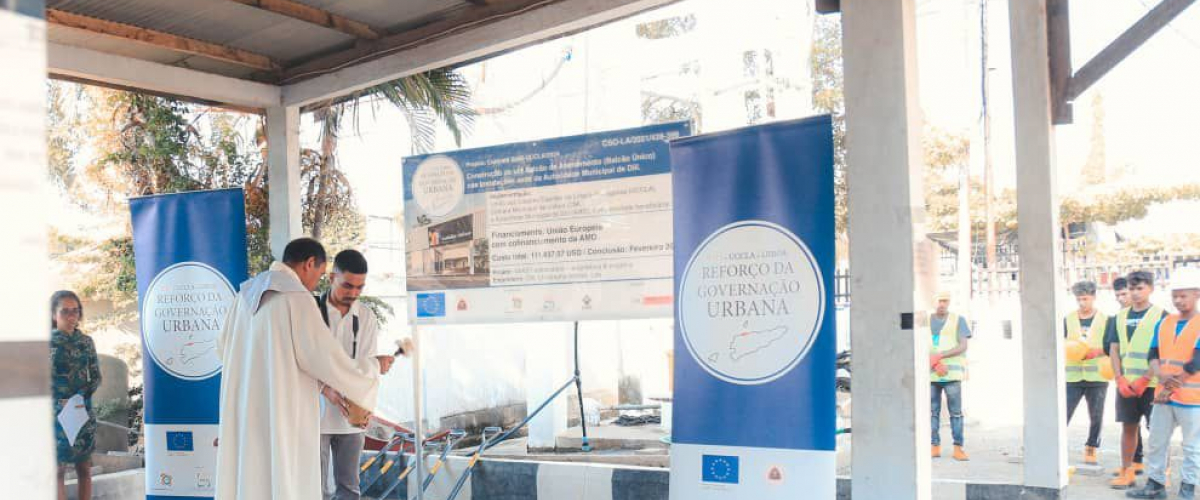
1141 278
302 249
350 261
1120 284
1084 288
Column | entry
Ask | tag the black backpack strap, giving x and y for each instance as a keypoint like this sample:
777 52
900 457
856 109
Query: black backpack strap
354 346
324 307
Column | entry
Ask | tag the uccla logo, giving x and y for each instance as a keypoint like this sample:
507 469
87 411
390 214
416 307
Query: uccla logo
751 301
183 312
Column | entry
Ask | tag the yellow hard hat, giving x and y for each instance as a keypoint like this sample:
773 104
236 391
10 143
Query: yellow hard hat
1076 350
941 296
1106 369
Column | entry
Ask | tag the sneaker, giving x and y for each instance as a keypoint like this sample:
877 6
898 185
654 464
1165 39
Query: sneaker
1187 491
1151 490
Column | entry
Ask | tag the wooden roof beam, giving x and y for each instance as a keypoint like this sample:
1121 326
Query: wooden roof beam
313 15
1125 44
161 39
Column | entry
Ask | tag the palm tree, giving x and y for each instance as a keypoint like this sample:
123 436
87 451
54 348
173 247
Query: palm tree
424 99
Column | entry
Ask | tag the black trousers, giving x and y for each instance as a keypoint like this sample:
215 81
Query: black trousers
1094 394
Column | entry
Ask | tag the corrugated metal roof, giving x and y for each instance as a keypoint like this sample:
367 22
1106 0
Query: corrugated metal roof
229 23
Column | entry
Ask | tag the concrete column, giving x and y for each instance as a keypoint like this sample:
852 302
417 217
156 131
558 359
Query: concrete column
1037 217
283 160
891 378
28 457
547 368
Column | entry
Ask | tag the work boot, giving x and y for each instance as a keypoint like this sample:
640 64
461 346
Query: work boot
1139 468
1187 491
1126 480
960 455
1089 456
1152 489
937 451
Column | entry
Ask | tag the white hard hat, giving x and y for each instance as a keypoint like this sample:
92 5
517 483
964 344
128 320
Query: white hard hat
1185 278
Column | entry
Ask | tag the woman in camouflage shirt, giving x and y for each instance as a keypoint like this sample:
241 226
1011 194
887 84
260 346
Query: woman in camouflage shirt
75 369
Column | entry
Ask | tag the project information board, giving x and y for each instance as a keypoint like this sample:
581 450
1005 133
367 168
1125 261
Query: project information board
564 229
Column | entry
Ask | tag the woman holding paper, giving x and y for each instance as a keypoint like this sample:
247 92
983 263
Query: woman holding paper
75 375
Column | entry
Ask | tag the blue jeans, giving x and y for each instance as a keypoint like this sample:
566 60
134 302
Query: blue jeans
953 392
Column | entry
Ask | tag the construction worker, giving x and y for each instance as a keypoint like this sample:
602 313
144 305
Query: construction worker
1128 337
1121 292
1175 359
947 365
1084 380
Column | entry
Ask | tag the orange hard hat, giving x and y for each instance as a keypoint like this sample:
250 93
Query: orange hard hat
1076 350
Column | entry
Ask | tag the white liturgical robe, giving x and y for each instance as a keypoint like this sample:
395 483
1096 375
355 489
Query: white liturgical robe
276 349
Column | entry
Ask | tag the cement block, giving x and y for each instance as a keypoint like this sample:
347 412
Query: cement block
640 484
574 482
978 491
504 480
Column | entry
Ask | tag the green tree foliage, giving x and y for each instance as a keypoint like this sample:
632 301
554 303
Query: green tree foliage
1122 205
825 65
150 145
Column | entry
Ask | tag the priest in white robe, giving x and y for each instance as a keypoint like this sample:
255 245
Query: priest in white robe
276 351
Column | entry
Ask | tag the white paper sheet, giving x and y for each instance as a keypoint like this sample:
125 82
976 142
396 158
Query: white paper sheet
72 417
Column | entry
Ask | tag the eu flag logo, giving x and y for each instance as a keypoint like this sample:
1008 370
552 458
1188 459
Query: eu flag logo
179 441
431 305
719 469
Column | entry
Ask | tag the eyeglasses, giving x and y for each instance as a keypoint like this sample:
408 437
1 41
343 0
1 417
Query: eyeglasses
71 312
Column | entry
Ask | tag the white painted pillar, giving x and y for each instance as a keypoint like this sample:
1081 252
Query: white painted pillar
418 391
27 457
1037 217
283 161
547 368
883 127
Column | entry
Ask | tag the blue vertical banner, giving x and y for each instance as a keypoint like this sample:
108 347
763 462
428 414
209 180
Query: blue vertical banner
189 249
755 340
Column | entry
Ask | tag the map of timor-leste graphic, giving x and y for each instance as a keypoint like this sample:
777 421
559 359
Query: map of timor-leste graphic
746 342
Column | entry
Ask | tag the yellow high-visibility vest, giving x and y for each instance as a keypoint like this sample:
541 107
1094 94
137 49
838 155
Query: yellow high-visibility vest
1087 370
1135 347
945 341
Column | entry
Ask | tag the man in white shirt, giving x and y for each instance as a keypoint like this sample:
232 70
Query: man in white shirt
356 329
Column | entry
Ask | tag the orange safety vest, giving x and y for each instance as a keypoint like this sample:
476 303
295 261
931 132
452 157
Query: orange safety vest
1174 351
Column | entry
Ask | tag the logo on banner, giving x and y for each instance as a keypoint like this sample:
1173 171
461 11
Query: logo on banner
183 312
719 469
775 475
179 441
751 302
431 305
438 185
204 481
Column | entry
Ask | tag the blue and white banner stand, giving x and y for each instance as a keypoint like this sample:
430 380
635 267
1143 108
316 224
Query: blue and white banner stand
189 250
754 402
